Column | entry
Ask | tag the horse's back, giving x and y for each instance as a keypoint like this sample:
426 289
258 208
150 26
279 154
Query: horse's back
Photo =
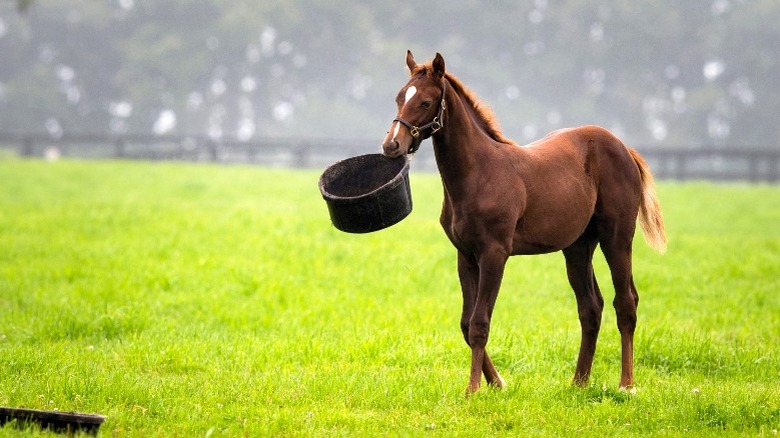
592 151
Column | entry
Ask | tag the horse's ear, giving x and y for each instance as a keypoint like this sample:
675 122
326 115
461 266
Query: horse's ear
410 62
438 66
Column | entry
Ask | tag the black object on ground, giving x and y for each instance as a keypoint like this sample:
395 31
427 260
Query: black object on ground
56 421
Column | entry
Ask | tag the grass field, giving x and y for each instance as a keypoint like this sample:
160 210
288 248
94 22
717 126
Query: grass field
199 300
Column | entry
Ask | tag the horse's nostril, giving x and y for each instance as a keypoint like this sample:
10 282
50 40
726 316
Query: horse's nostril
391 148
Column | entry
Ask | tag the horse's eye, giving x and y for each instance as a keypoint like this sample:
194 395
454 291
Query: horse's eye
426 104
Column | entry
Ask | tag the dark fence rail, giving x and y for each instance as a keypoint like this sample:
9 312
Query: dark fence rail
283 152
710 163
718 164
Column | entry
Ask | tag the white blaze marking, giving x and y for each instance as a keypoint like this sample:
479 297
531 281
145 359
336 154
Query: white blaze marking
395 131
410 92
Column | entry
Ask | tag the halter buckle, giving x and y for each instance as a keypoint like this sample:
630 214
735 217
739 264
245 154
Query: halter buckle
435 125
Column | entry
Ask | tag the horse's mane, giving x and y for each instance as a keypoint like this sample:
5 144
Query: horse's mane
486 118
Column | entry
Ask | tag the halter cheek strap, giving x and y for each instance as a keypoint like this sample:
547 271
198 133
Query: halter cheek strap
434 125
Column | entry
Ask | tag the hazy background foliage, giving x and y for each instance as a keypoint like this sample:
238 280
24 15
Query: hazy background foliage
661 72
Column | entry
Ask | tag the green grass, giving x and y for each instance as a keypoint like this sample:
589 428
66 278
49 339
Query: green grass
196 300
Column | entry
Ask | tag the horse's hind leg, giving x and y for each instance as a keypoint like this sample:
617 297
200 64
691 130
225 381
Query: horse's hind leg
579 268
617 251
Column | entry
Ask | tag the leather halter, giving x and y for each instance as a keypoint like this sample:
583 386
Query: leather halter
434 125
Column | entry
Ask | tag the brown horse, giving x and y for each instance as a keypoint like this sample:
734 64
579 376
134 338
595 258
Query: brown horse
572 190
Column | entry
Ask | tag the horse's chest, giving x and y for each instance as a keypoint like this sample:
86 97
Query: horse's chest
469 227
459 236
455 232
454 226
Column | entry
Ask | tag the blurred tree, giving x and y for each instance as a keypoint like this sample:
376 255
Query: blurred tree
22 5
660 72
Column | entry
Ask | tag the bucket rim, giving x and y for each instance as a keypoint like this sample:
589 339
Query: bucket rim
394 182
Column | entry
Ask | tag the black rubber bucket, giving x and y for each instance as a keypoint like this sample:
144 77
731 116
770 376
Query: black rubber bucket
55 421
367 193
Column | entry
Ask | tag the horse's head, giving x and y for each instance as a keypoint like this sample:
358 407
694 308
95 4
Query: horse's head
420 107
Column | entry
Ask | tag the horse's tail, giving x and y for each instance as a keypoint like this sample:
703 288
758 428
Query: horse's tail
650 218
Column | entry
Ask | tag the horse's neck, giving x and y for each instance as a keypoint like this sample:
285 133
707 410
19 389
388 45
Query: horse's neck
458 145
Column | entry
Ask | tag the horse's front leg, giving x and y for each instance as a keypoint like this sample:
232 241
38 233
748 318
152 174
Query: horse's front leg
480 356
491 374
468 273
490 269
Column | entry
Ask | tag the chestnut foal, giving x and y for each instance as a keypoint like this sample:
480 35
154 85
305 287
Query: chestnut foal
570 191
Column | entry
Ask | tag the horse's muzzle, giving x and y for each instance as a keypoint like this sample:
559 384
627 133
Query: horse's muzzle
392 149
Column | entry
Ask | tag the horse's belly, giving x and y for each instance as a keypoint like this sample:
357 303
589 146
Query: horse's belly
549 226
542 242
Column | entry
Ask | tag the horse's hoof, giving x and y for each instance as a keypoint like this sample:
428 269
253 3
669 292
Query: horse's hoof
580 382
629 389
499 383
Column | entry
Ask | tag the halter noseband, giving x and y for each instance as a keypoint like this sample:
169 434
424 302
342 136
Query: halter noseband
434 125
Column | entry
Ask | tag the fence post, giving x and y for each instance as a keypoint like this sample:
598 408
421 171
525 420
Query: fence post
302 154
119 147
27 147
753 160
679 165
211 145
